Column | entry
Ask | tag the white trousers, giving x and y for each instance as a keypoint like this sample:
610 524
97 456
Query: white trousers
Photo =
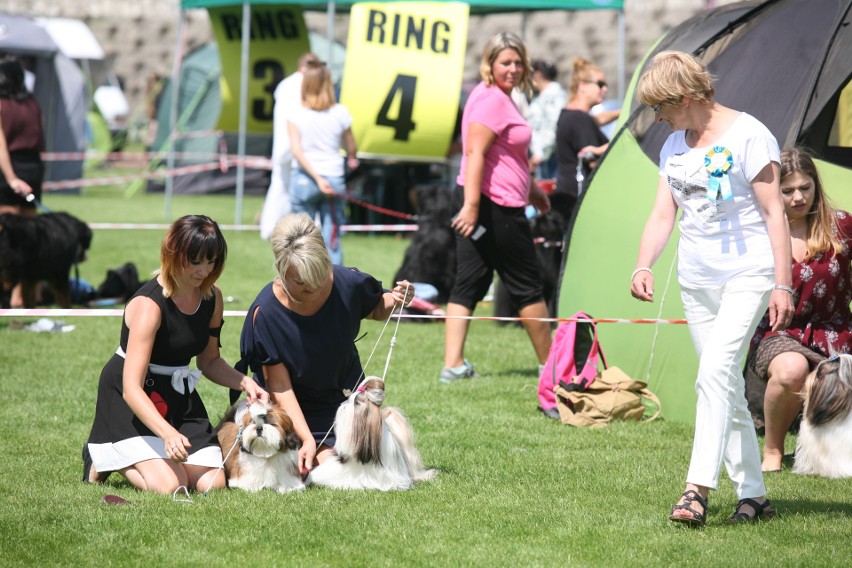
721 322
277 202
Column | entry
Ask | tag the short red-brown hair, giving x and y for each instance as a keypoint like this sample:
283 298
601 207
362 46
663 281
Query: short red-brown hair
192 238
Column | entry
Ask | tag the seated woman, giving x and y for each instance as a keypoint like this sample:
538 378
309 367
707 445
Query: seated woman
299 336
150 423
821 237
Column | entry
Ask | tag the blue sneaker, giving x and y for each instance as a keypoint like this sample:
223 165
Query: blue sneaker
452 374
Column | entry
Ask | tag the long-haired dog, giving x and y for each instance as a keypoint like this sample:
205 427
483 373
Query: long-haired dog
260 448
375 446
825 437
40 248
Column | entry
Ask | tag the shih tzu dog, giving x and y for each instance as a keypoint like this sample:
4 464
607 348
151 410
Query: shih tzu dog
260 448
825 438
375 446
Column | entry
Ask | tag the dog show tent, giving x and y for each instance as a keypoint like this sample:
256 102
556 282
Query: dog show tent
333 6
785 62
60 89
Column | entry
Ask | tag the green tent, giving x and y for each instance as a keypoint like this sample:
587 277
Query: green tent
786 62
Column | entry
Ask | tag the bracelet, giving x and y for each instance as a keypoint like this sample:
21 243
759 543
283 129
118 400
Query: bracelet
641 269
785 288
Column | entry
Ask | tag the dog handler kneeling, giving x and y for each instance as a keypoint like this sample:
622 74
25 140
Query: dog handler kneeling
150 423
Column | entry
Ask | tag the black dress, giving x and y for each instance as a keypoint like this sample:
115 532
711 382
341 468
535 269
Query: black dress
118 438
319 350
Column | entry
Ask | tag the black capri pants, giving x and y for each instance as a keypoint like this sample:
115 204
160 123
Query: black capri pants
507 247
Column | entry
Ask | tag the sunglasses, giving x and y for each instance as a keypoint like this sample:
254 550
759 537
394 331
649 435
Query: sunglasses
600 83
656 108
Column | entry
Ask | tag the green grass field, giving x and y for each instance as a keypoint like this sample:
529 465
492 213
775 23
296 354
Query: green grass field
513 489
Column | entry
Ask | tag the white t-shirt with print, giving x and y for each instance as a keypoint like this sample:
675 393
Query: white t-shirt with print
321 135
720 239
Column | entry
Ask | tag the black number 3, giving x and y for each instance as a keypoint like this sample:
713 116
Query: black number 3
261 108
404 85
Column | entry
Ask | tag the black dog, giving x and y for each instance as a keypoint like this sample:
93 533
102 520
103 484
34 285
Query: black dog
548 232
431 256
40 248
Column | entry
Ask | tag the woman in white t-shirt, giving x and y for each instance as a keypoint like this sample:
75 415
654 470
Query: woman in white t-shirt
721 168
318 131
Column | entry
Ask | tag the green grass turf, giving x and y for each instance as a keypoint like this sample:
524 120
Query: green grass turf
513 489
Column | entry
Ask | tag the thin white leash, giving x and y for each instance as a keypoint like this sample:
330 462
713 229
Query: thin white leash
363 377
659 317
188 497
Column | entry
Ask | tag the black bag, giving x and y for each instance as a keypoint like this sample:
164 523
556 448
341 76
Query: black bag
120 283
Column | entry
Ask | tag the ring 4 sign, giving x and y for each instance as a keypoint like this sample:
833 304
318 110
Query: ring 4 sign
403 75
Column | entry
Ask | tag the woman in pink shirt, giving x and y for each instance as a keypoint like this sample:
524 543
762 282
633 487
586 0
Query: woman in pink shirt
494 187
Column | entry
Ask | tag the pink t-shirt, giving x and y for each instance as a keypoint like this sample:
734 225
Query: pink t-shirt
506 176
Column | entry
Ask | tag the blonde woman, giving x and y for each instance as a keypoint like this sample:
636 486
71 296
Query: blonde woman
494 188
721 167
318 131
299 337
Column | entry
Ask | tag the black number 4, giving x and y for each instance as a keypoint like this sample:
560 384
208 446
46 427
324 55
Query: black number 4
405 85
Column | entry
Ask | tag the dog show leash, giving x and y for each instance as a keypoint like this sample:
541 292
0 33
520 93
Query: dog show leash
362 379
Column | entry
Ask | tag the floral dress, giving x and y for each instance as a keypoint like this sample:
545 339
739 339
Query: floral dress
822 321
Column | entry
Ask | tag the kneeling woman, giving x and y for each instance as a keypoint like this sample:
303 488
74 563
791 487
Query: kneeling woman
299 335
150 424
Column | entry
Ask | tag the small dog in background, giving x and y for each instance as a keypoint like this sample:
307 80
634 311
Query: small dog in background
40 248
375 446
267 456
548 232
824 446
431 256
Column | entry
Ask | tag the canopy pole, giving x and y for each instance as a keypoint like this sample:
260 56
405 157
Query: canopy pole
329 32
173 115
245 41
524 25
622 67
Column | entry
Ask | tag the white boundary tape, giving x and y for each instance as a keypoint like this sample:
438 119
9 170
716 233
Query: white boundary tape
47 312
164 227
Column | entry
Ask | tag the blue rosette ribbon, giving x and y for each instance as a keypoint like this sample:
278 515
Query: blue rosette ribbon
718 162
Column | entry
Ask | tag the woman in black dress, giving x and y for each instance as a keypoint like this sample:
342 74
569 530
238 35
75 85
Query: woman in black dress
150 424
299 335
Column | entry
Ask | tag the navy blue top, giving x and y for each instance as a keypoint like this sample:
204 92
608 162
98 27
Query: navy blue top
318 350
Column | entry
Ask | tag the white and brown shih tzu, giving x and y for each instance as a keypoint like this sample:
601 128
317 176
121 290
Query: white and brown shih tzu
375 446
824 446
261 448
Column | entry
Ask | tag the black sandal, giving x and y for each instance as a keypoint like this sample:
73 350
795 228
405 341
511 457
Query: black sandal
697 519
762 511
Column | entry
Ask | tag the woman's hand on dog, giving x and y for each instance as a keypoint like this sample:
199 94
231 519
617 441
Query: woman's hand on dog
307 454
253 391
176 446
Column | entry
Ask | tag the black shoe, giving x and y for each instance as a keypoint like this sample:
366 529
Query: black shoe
87 464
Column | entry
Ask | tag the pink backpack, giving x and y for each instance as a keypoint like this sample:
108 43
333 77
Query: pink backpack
575 346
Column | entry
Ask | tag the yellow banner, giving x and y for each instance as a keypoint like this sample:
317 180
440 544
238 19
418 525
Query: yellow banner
403 75
278 38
